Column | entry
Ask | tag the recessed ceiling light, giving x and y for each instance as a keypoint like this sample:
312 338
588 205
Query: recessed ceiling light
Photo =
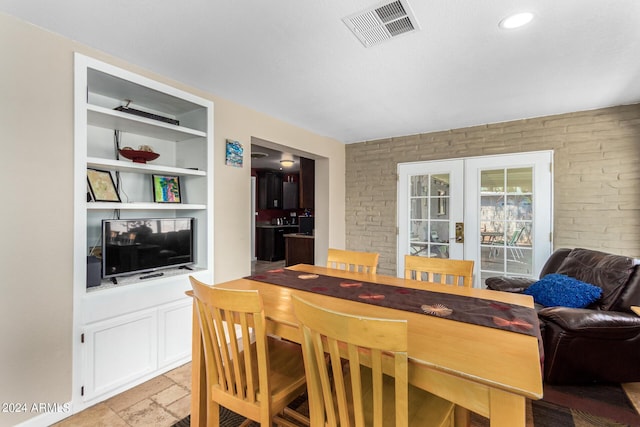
517 20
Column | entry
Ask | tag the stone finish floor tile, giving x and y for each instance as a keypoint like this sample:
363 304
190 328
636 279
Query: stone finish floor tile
169 395
130 397
148 413
181 407
181 375
99 415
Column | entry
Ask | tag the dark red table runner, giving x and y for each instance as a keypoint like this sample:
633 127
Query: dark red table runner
472 310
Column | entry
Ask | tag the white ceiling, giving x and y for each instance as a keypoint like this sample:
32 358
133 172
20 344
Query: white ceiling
266 158
297 61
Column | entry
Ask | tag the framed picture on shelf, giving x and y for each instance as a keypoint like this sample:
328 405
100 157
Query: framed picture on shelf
101 186
166 189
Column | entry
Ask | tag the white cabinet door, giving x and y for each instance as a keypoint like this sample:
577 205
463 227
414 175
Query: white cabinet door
119 351
174 333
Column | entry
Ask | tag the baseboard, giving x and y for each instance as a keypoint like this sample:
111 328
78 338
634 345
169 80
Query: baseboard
49 414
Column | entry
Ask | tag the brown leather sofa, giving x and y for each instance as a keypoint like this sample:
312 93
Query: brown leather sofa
599 343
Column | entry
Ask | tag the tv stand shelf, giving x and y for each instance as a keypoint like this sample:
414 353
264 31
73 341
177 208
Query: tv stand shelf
135 279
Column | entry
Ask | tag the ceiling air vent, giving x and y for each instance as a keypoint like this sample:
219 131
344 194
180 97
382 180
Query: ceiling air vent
383 22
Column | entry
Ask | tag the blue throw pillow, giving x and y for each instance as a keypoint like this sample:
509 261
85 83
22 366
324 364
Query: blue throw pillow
560 290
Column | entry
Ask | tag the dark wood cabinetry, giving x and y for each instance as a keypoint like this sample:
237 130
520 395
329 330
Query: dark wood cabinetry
290 195
287 191
270 240
269 190
307 183
299 250
271 244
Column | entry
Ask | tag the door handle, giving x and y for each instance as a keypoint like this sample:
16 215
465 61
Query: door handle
459 232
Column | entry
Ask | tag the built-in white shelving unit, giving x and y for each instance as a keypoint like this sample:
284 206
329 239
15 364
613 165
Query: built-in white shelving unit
128 332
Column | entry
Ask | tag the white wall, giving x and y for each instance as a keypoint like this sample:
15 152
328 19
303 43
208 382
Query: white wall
36 169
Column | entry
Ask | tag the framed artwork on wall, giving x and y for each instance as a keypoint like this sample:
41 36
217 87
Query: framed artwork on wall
166 189
101 186
234 154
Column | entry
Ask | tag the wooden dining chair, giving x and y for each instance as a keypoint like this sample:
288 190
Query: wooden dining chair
439 270
365 262
358 393
248 372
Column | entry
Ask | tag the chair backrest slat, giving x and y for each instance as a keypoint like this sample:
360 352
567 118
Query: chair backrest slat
439 270
365 262
227 381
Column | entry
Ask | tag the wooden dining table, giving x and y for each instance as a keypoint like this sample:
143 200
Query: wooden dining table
481 369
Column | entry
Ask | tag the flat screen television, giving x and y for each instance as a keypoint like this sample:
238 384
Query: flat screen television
132 246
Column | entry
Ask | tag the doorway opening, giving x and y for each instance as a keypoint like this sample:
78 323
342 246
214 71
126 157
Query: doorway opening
494 210
283 202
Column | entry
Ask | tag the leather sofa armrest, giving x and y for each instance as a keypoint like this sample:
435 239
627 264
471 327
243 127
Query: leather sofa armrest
608 325
508 284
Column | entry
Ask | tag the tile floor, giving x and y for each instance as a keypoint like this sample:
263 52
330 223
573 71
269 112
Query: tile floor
260 266
159 402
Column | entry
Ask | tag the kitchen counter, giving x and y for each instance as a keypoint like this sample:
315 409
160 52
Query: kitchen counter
299 249
299 236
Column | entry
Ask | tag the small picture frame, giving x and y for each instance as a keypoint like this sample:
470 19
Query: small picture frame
166 189
101 186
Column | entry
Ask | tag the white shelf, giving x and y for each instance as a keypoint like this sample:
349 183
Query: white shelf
146 168
113 119
138 278
144 206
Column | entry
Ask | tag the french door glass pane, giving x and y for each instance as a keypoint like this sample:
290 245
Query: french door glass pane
520 180
506 221
429 221
419 185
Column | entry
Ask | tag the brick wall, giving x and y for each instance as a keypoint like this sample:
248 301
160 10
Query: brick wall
596 177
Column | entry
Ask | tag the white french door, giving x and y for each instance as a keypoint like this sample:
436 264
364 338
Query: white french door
429 206
495 210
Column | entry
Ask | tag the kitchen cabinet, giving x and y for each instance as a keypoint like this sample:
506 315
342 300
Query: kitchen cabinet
289 195
307 183
269 190
271 241
299 249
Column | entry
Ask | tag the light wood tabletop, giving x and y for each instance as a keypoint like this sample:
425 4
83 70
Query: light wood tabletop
481 369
